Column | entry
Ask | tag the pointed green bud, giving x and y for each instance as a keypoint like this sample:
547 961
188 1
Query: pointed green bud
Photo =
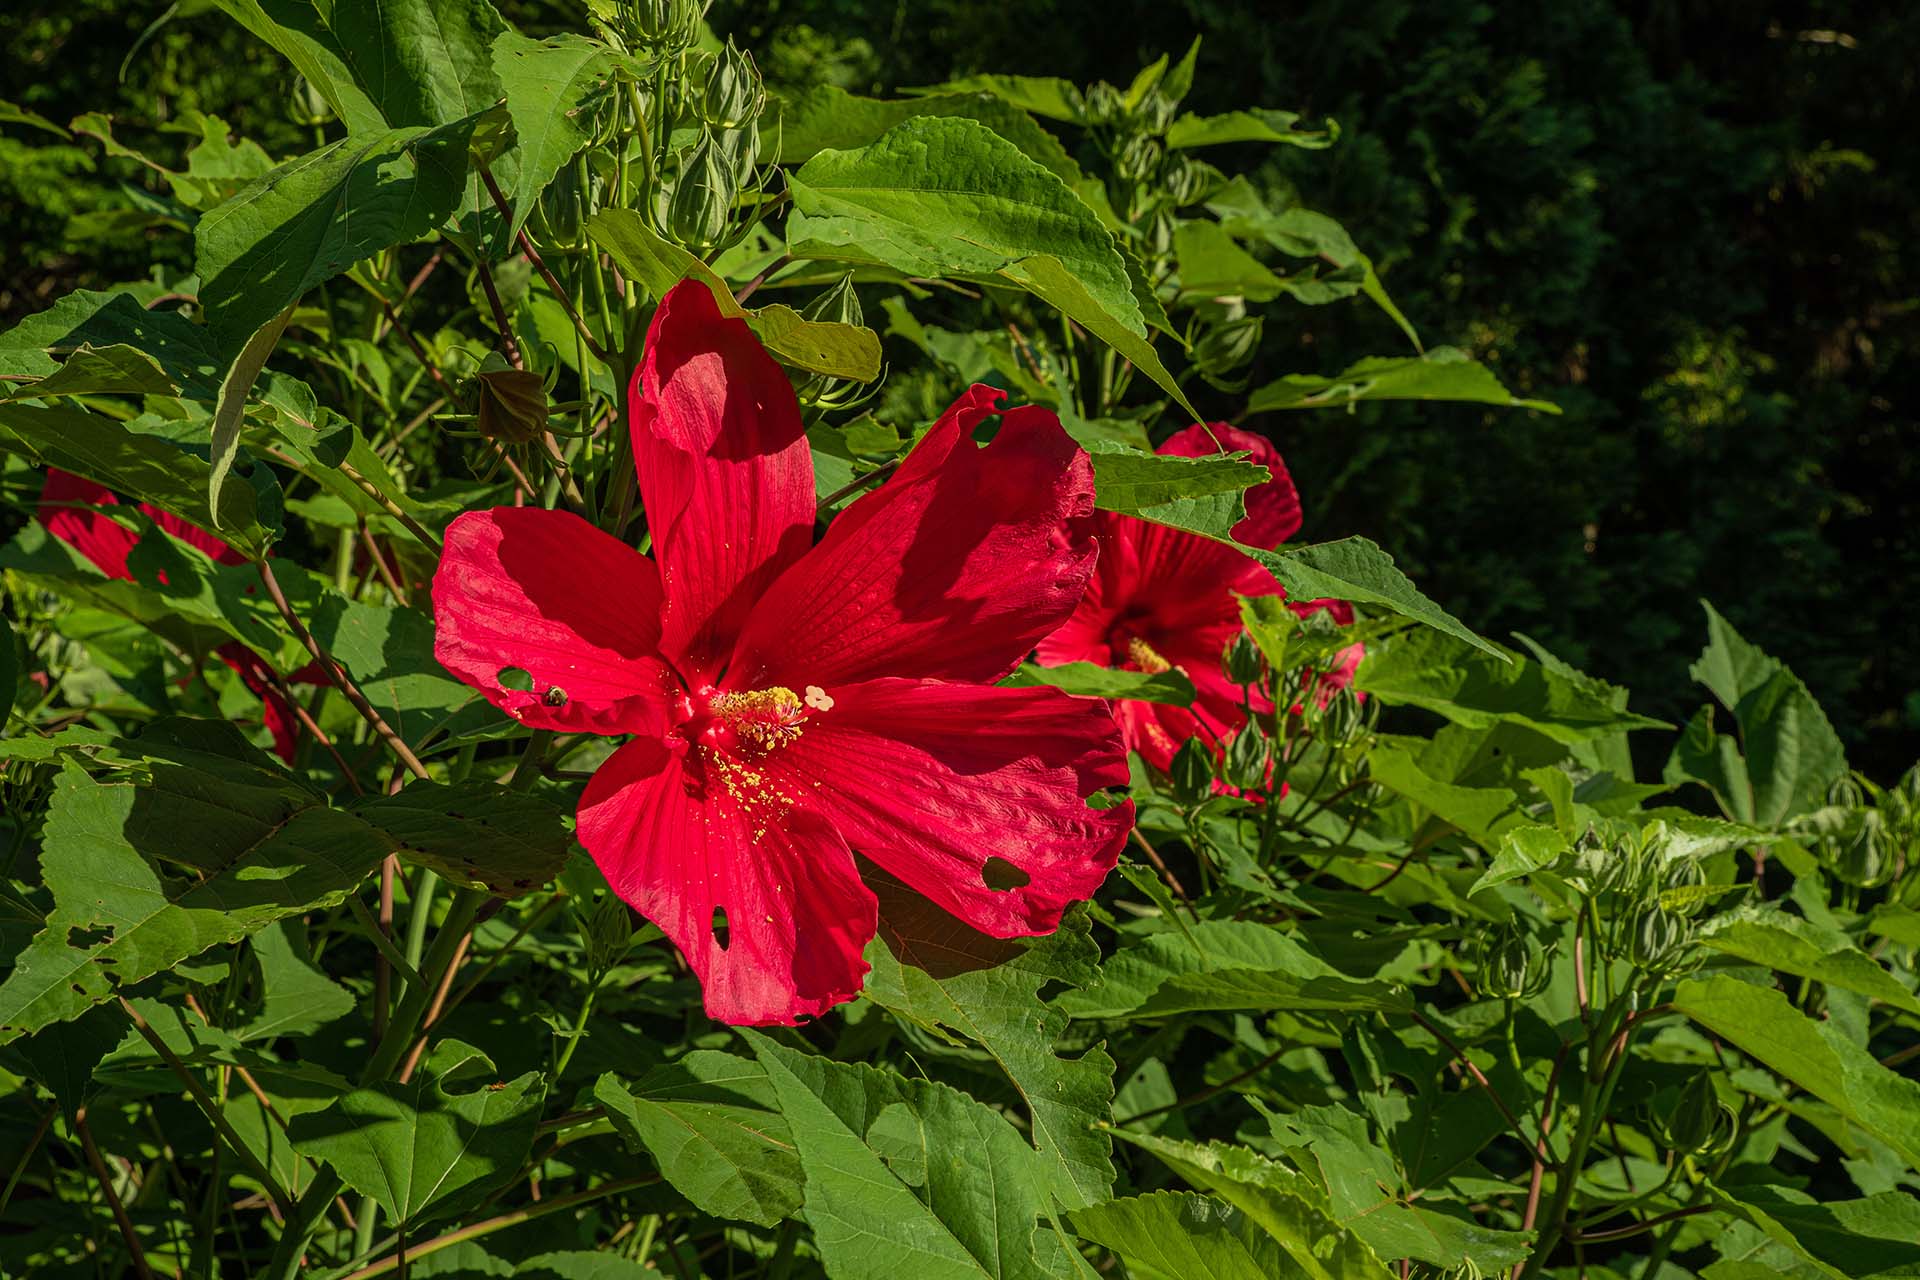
1658 940
1104 103
1192 773
1246 760
701 207
733 96
1512 965
1242 660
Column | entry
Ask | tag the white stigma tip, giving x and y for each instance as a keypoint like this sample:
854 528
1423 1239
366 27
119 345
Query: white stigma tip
817 698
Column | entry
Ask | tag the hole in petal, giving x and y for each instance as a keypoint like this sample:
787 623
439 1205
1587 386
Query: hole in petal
1001 876
515 678
720 927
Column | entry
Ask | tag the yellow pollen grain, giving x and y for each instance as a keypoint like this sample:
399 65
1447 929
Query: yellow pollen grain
1142 655
763 719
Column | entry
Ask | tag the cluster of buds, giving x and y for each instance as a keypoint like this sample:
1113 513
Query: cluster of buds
1867 836
1699 1123
709 199
664 27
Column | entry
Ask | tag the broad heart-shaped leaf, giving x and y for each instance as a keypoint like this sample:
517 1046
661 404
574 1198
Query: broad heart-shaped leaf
947 196
421 1150
932 970
1878 1236
1048 96
113 318
388 650
1177 1235
202 840
1815 1056
828 118
473 833
1704 755
1769 936
1258 125
551 87
315 216
818 346
147 467
1136 483
1367 1193
1444 373
906 1176
317 38
1788 752
296 995
1289 1206
1221 965
115 369
1471 687
1485 814
711 1121
1091 680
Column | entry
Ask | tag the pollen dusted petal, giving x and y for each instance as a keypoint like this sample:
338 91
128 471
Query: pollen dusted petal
931 780
951 570
726 474
547 593
680 836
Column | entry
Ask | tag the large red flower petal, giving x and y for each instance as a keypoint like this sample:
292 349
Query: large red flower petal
1273 508
973 795
102 540
725 471
953 569
680 841
575 608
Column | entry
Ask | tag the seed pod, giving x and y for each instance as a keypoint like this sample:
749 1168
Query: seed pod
1699 1123
509 405
1137 158
1184 179
1223 349
1864 858
733 96
607 932
1192 773
1242 660
666 26
1512 966
1658 940
701 206
1246 760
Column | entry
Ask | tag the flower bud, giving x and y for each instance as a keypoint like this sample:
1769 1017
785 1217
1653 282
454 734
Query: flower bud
1137 158
1863 858
1156 111
509 405
1512 965
606 933
1242 660
1246 759
1185 179
1657 939
1225 348
308 107
733 95
1698 1123
1191 773
666 26
559 217
1104 103
701 208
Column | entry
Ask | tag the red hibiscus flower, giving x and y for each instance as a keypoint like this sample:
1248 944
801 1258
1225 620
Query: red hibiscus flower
1163 599
795 704
106 544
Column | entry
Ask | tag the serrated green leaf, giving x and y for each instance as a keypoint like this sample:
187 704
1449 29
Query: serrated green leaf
473 833
1444 373
1523 851
551 87
420 1150
1091 680
297 996
1357 569
312 218
1482 813
205 842
976 1213
119 317
115 369
1878 1236
1048 96
711 1122
1768 936
1815 1056
828 118
930 972
1258 125
1177 1235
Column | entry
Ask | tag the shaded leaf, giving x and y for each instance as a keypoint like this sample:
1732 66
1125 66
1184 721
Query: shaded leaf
1091 680
1444 373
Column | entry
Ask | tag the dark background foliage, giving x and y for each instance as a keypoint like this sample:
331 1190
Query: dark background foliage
1692 225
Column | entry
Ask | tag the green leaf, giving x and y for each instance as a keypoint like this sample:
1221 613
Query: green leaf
1212 265
1288 1205
1875 1236
473 833
1177 1235
1091 680
905 1174
159 472
1048 96
712 1123
1444 373
1473 686
200 841
935 972
115 318
1713 759
319 40
1369 1195
551 87
296 994
420 1150
116 369
1482 813
1221 965
9 671
388 650
231 408
1258 125
1768 936
312 218
1135 483
1357 569
818 346
1523 851
946 196
1815 1056
11 113
828 118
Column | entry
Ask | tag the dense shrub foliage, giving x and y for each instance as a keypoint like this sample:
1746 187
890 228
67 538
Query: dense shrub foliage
615 665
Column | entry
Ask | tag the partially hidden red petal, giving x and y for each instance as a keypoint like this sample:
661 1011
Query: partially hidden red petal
680 840
1273 508
193 534
952 570
275 712
101 539
726 474
974 795
549 594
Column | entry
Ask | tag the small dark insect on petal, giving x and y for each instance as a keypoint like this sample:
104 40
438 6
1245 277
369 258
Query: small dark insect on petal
555 696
